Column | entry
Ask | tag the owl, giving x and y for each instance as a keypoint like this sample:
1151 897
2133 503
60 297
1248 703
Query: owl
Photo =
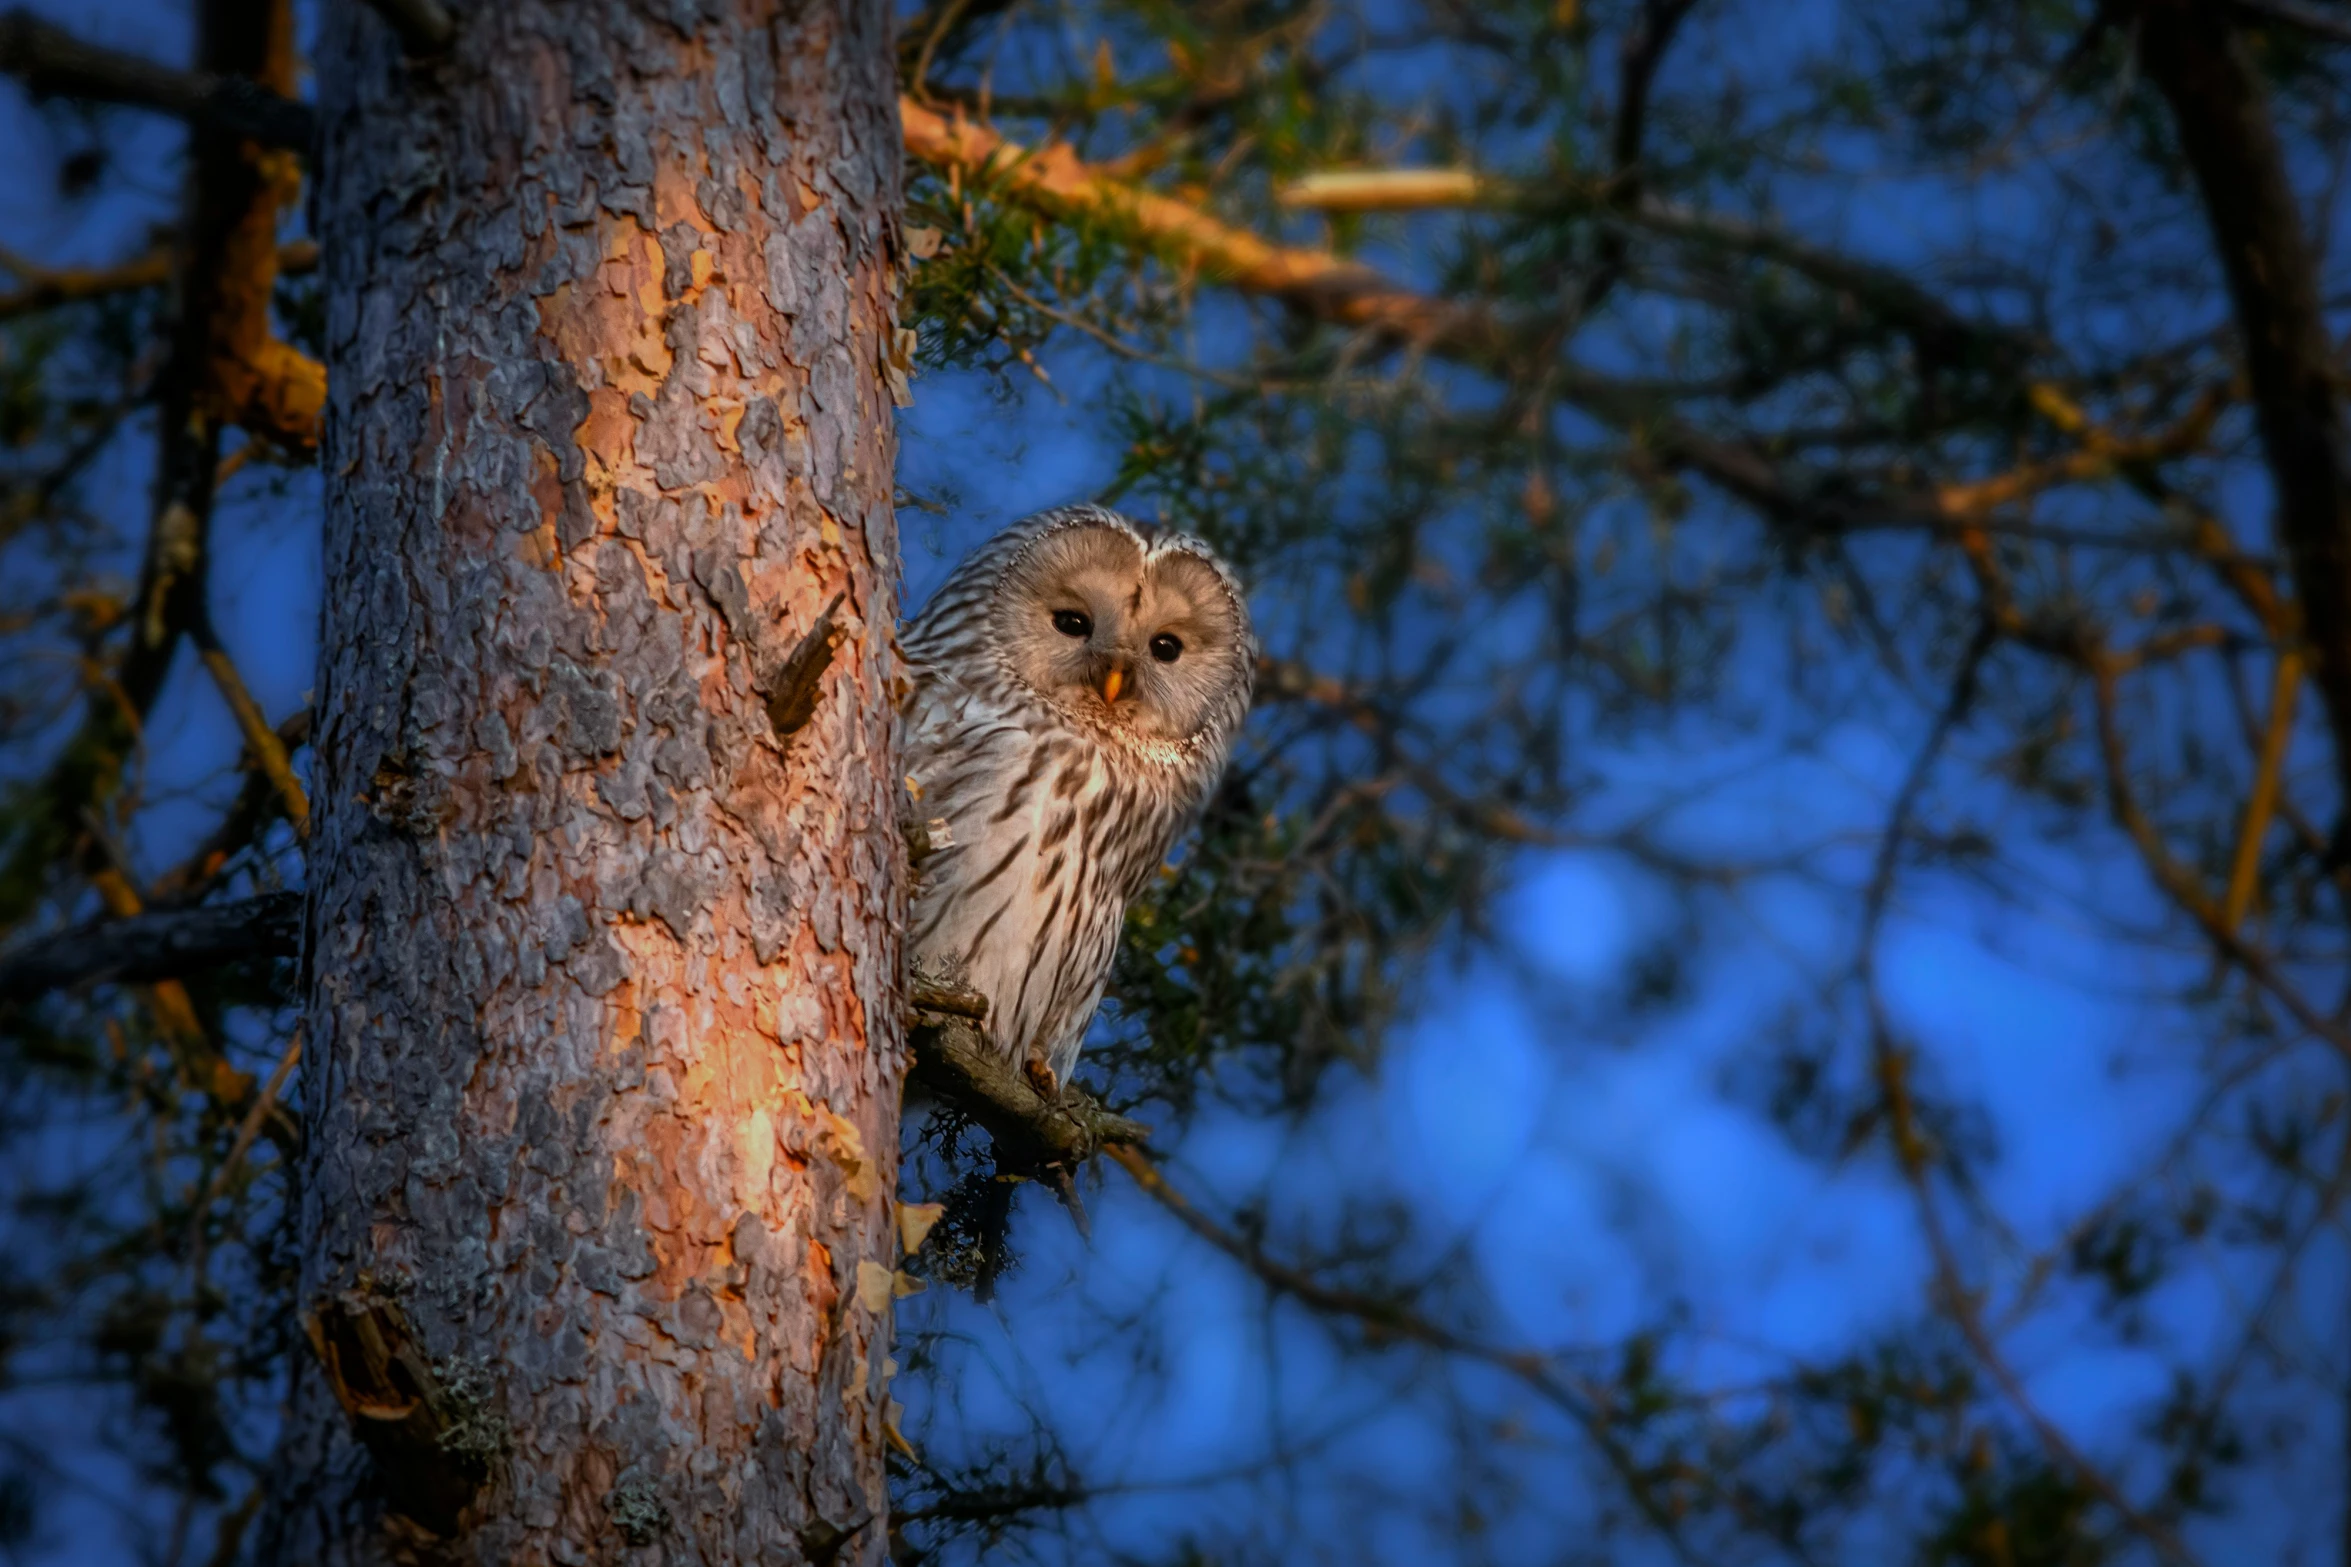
1077 687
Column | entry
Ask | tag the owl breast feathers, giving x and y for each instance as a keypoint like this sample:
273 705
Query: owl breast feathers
1078 683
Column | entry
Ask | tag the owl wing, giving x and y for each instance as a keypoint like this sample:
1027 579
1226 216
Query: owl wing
1018 903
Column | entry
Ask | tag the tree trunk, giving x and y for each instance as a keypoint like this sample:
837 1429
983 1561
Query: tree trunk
604 1039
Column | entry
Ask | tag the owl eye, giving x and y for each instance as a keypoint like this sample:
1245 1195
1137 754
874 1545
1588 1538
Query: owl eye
1167 647
1072 623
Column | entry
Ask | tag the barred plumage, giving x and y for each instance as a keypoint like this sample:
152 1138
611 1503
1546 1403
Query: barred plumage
1078 683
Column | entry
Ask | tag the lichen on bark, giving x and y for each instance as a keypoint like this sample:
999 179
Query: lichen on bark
603 983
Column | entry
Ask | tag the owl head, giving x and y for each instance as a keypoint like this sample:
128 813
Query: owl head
1139 632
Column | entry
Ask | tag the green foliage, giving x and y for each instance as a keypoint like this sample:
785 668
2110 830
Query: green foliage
2019 1513
1273 942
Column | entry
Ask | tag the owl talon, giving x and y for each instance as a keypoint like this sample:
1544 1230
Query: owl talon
1041 1079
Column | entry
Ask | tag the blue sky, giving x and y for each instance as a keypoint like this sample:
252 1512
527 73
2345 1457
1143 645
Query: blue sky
1590 1178
1583 1175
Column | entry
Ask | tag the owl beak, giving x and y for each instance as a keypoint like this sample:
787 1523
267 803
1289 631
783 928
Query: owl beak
1111 683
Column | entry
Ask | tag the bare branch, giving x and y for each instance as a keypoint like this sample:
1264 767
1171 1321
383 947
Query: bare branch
48 288
1881 288
954 1061
226 364
953 1003
53 63
1399 190
2192 55
261 741
1960 1304
2261 803
1383 1318
1913 1148
1642 52
258 803
147 948
248 1130
1053 180
2180 882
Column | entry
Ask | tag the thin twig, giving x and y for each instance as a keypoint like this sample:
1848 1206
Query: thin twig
1120 345
2182 884
168 999
247 1131
917 79
926 997
1911 1147
2261 804
1052 179
2230 142
48 288
269 753
1382 1318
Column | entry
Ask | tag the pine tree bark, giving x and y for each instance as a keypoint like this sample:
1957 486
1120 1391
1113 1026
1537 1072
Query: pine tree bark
603 1013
